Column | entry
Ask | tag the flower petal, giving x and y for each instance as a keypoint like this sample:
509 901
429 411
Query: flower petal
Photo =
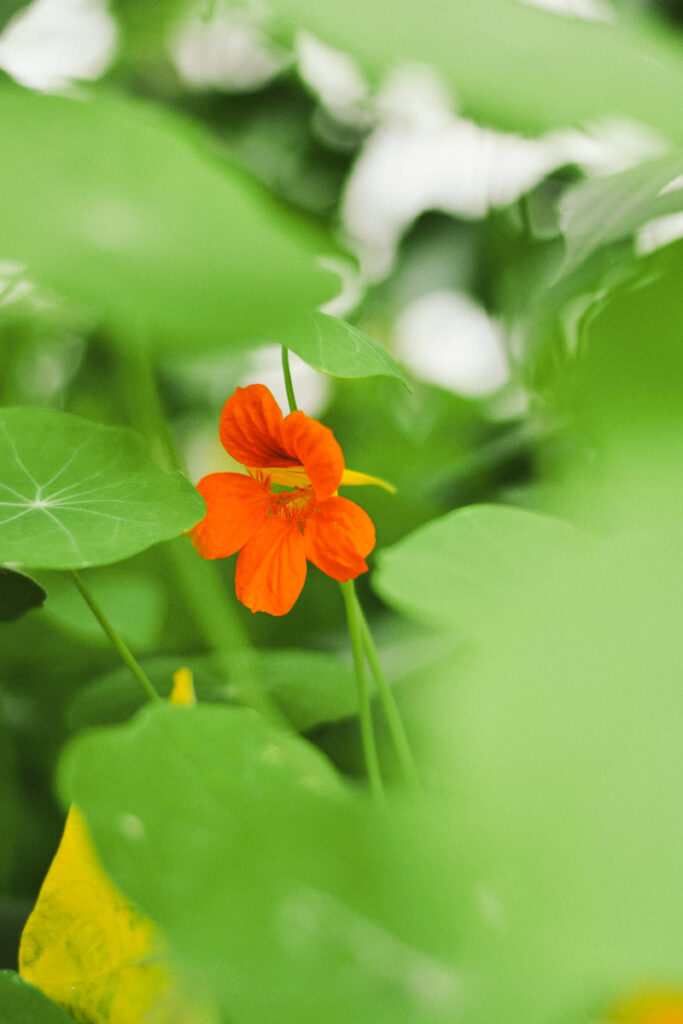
236 507
351 478
338 536
251 428
271 568
316 449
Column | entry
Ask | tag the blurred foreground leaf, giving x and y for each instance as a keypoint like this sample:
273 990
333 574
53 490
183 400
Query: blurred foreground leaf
469 567
135 602
290 897
511 64
18 594
339 349
8 9
605 210
121 205
308 687
75 493
21 1003
91 950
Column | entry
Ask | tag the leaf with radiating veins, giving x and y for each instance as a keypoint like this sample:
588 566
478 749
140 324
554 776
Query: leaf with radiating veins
75 493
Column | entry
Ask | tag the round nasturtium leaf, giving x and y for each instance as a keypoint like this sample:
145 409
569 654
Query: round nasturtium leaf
126 207
75 493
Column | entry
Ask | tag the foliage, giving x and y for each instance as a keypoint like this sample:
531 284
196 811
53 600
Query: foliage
465 808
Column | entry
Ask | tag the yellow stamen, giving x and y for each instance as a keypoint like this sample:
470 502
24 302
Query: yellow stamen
183 694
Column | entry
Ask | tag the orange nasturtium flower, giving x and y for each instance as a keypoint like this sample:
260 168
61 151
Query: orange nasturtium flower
285 509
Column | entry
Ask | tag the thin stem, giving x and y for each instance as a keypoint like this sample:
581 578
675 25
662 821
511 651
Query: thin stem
213 613
288 379
116 641
389 705
364 709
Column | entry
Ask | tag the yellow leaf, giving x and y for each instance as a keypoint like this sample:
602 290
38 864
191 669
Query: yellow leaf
89 949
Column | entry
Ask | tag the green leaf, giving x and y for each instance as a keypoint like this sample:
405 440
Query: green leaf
308 687
512 65
339 349
605 210
135 603
110 699
275 887
21 1003
18 594
8 9
124 206
75 493
469 567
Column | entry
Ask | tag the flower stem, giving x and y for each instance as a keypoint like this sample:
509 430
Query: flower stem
365 711
288 379
116 641
391 712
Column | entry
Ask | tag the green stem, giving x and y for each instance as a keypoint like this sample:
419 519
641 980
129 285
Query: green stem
364 708
389 705
213 613
288 379
116 641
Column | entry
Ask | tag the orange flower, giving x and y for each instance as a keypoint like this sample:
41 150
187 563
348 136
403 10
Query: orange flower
286 510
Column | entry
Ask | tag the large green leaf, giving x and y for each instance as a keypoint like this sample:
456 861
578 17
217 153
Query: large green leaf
75 493
136 603
511 64
18 594
605 210
339 349
21 1003
287 896
308 687
124 206
469 567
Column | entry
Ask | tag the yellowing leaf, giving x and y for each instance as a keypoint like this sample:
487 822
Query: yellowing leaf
92 951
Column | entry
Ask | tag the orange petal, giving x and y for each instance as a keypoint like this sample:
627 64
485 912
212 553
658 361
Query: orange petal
315 447
236 506
271 568
338 536
251 428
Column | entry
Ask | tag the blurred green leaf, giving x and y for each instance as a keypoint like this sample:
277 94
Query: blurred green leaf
512 65
21 1003
308 687
8 8
560 738
18 594
10 811
469 567
339 349
135 603
288 897
124 206
605 210
76 493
